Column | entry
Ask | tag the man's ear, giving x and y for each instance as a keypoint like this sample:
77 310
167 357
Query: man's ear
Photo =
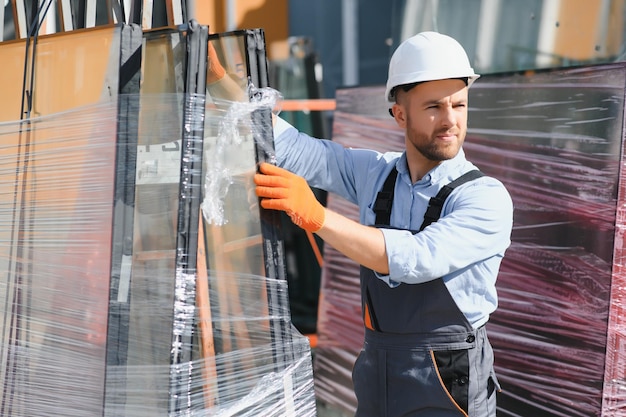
398 112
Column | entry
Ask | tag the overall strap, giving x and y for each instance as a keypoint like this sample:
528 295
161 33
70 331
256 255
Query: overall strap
384 199
435 205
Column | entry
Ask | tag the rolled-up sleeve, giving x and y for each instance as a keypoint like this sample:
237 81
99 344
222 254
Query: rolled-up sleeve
477 228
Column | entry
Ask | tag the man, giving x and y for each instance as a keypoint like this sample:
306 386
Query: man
426 294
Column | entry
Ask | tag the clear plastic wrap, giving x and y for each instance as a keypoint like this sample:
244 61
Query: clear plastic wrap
225 161
57 195
118 298
58 222
556 140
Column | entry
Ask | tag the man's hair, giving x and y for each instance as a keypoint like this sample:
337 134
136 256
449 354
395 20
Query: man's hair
407 87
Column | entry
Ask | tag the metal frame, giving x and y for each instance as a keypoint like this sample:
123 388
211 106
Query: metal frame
188 217
273 244
123 204
139 12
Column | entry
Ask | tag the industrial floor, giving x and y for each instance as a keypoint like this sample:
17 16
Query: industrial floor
325 410
328 411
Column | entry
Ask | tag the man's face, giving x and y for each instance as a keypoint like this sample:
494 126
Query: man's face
434 115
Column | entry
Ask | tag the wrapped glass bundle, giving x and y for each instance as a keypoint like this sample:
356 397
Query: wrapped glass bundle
59 190
122 295
560 139
360 121
556 139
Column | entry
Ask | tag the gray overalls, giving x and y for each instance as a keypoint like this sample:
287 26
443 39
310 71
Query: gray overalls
421 356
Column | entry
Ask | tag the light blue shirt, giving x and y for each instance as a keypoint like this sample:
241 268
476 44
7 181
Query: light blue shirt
464 247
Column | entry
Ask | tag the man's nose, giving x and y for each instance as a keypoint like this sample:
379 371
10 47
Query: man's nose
449 116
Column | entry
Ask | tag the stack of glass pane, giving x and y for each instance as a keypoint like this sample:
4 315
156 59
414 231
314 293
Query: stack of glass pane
140 278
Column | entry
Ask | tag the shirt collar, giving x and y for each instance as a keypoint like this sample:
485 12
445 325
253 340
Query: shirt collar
450 167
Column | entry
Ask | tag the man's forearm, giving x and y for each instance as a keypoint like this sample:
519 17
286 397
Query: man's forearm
364 245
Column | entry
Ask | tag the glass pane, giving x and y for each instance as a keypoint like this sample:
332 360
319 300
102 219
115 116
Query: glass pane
67 75
156 204
58 186
252 335
234 240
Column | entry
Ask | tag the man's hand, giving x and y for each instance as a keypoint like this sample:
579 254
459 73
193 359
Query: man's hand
282 190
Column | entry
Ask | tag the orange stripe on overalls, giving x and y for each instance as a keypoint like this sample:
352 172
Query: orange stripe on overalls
367 318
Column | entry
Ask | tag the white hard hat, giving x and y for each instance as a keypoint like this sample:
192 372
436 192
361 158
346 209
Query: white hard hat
428 56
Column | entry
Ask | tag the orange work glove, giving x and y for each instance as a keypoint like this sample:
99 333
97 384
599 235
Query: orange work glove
279 189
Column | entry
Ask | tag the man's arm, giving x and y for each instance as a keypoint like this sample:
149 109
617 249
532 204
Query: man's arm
219 84
280 189
363 244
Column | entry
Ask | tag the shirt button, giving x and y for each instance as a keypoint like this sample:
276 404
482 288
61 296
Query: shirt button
470 338
462 380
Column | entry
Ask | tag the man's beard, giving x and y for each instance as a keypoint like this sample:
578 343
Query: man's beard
432 149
